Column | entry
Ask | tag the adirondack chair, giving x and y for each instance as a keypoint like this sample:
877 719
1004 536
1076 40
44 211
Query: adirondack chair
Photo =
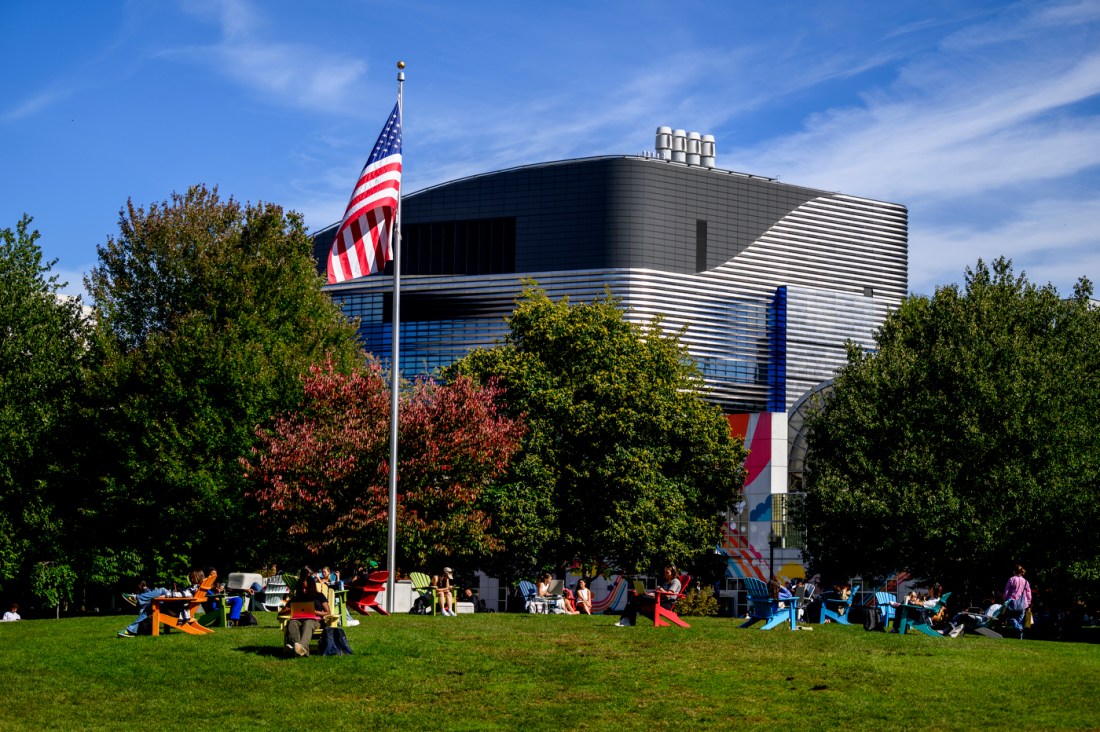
763 607
332 620
532 601
167 610
916 617
836 609
803 601
662 616
976 620
367 599
422 586
886 611
275 589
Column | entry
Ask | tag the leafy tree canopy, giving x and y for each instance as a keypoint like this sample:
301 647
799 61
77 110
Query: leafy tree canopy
42 341
624 462
321 472
208 313
966 442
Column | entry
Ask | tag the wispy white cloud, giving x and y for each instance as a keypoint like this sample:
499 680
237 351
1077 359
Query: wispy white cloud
34 104
1000 113
284 73
1053 240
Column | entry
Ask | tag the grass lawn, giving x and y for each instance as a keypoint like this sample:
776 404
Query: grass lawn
503 671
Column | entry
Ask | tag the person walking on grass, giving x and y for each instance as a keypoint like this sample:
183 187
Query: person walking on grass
1017 600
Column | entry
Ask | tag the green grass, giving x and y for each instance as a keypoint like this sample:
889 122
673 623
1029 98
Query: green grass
559 672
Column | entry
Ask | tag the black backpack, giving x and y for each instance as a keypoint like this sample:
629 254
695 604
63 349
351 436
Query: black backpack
247 618
872 621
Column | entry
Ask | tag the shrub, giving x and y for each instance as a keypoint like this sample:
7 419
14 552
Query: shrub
698 602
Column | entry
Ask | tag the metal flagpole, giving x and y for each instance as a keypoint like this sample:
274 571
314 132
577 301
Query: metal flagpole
395 371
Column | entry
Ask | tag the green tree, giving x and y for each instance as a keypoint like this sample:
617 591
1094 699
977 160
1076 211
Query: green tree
624 463
967 441
42 341
209 311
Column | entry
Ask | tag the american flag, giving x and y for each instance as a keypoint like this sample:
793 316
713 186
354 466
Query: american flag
362 243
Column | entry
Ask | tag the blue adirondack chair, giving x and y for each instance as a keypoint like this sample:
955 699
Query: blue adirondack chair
886 611
835 609
534 603
763 607
915 617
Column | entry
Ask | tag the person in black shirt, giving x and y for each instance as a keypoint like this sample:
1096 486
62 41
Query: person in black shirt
300 626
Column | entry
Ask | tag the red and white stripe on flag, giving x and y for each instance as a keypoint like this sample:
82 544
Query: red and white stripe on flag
362 244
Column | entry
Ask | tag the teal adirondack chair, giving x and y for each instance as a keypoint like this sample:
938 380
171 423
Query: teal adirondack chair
836 609
916 617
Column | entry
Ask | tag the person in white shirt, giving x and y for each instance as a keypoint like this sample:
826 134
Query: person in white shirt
12 615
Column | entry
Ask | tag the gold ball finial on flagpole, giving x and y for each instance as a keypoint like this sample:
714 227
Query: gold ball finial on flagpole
400 64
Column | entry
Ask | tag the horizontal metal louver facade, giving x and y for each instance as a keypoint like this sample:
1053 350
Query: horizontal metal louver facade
703 248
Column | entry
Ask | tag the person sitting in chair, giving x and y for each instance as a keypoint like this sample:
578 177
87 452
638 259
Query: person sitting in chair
143 598
642 603
445 590
970 620
302 623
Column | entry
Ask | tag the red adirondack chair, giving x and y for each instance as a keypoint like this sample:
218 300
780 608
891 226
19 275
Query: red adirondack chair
367 599
663 616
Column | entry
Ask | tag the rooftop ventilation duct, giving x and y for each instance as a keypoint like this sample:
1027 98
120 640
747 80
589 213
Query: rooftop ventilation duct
706 152
664 143
685 147
693 148
679 146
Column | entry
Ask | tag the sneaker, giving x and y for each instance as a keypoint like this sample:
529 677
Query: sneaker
957 630
126 634
301 650
290 647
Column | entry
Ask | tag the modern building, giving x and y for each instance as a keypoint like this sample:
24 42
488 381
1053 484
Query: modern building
771 280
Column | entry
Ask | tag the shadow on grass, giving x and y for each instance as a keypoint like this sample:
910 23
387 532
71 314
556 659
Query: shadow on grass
265 651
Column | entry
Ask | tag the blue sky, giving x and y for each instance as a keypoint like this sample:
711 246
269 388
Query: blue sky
982 117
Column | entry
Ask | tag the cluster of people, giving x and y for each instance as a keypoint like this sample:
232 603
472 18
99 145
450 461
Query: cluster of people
144 595
1015 609
569 602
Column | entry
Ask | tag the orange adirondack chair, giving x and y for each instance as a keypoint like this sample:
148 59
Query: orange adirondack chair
167 610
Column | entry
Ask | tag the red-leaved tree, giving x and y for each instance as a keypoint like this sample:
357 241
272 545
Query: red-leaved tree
321 473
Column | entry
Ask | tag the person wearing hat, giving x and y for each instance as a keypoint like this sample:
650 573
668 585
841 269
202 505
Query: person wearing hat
445 592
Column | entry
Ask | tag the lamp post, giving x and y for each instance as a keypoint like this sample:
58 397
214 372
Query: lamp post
773 541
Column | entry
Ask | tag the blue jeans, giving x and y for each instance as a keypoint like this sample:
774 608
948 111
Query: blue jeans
144 602
1014 614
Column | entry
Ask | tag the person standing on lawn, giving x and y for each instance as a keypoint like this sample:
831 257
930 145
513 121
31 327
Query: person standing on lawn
1017 600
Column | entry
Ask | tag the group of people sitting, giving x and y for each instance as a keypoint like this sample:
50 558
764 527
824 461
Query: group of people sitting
568 602
144 595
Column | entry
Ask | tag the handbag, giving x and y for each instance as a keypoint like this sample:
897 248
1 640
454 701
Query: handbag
1027 618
